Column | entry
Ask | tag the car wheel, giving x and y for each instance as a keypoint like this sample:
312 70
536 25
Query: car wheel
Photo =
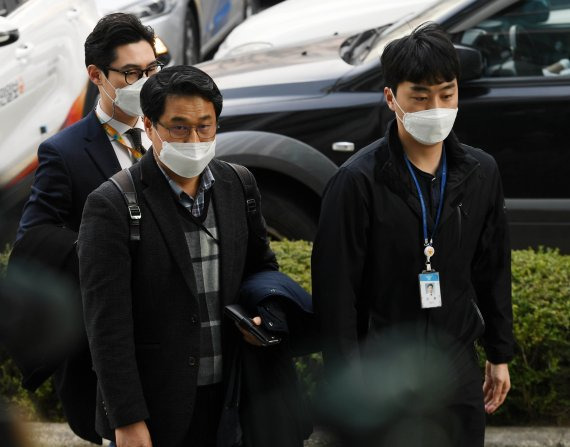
191 53
287 218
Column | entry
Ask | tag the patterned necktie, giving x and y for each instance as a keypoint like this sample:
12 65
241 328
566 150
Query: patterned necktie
135 135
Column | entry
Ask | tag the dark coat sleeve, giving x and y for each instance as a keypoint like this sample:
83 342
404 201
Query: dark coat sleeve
107 304
259 254
50 199
491 273
338 259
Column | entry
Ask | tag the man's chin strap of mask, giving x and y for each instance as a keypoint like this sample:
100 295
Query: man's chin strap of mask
398 105
111 99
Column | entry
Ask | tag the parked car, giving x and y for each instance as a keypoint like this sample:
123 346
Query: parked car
293 115
190 29
43 88
295 21
42 81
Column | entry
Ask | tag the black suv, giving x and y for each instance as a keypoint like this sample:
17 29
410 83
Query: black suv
293 115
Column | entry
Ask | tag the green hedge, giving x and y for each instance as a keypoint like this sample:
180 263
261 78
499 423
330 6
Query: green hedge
540 373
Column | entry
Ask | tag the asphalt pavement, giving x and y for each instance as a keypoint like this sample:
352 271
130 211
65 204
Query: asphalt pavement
59 435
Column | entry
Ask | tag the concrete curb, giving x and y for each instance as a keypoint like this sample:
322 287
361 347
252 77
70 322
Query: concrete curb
59 435
527 437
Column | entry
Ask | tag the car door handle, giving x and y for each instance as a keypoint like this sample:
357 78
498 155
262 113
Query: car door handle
343 146
8 36
24 51
73 13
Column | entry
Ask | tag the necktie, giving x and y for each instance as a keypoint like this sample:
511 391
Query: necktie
135 134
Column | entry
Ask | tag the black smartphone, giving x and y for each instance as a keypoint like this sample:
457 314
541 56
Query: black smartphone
238 314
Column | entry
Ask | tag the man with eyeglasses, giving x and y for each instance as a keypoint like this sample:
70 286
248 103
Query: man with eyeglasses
161 351
119 56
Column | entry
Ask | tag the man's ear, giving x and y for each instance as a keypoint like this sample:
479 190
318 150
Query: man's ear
147 127
95 74
389 96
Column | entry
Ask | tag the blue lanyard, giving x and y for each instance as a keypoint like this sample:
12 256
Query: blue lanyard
429 241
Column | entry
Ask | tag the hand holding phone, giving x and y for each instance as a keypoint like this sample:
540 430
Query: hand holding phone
239 315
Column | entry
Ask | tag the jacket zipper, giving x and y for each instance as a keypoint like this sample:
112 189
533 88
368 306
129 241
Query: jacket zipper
459 207
460 212
478 312
459 222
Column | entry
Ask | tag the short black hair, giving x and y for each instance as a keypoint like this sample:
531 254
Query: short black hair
178 80
427 55
112 31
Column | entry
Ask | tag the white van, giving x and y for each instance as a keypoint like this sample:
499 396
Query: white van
42 76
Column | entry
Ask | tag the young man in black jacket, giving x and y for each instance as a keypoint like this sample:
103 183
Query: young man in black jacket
411 265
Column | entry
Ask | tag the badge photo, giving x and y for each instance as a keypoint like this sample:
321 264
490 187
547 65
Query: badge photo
430 291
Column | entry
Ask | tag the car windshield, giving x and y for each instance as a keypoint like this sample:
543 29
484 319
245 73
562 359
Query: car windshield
354 49
434 13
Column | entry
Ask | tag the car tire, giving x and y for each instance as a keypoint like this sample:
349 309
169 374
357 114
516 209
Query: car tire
286 217
191 49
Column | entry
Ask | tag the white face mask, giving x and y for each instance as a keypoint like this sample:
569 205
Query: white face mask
428 126
128 98
188 160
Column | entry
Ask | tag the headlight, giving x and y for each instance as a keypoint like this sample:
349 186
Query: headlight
151 8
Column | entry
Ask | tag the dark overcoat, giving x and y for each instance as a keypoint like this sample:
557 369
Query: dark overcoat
140 305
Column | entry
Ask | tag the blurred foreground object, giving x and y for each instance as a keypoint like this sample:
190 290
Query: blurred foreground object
11 432
40 317
401 394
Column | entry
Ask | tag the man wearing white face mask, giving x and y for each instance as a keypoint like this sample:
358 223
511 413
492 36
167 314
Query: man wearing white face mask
411 264
160 348
119 56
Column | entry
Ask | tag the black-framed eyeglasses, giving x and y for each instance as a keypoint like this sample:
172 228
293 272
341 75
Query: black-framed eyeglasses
134 74
204 131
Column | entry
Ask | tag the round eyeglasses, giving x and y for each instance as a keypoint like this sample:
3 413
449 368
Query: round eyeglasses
134 74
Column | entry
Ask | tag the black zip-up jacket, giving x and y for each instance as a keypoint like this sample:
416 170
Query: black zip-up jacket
368 253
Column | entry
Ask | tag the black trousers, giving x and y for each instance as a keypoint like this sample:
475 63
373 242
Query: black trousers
207 411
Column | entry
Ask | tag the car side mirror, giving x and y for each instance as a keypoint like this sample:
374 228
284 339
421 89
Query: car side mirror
8 32
471 62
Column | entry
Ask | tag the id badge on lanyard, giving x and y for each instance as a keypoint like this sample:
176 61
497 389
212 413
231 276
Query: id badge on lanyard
430 290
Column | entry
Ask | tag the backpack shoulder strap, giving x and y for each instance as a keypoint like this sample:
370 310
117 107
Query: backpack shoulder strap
247 182
123 180
255 222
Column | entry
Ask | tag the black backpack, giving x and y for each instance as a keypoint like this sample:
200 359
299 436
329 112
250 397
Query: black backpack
123 180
